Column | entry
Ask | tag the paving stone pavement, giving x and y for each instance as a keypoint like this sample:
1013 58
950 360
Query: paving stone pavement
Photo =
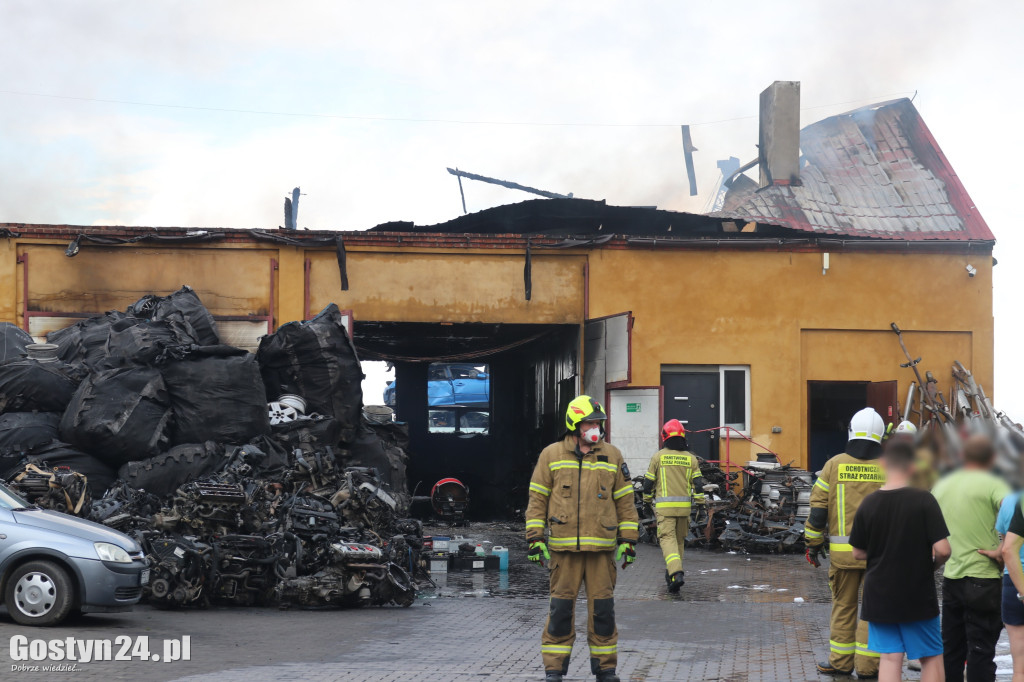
737 619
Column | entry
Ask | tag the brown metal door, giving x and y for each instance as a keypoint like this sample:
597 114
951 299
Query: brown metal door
882 397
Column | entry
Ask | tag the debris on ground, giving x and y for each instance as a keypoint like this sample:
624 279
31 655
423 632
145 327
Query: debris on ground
247 478
766 515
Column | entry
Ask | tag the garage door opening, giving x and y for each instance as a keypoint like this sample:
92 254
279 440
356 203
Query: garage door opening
831 405
481 401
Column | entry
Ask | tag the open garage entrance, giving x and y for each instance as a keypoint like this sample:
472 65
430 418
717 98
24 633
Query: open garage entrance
831 405
481 401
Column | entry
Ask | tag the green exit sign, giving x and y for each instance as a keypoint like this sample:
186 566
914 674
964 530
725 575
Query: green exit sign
633 407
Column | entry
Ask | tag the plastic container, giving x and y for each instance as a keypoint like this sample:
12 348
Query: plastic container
439 564
502 554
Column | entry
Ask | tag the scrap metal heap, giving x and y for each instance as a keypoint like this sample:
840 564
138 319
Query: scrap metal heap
145 422
944 425
766 515
248 539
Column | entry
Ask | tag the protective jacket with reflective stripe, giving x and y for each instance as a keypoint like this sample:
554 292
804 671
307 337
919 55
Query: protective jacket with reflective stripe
842 485
673 473
586 502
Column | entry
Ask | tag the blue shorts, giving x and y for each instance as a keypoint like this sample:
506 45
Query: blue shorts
1013 609
917 639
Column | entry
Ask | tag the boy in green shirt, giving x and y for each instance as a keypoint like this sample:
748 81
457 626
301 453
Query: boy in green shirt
971 587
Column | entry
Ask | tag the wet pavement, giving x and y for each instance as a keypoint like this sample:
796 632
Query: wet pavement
738 618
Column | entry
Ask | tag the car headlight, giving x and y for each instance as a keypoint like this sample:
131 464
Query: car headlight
108 552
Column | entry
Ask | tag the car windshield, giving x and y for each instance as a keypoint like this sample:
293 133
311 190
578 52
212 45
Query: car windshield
9 500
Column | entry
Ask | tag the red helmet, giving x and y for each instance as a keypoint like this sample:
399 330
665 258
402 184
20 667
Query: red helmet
673 427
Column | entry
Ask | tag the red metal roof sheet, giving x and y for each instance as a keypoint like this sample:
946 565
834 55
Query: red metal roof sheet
873 172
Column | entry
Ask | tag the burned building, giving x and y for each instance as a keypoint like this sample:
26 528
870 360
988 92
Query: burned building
770 316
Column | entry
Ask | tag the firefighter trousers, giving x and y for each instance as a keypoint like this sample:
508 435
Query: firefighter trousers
596 570
848 636
672 532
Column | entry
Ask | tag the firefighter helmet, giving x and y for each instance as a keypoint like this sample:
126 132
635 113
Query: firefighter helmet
906 429
583 409
867 425
672 428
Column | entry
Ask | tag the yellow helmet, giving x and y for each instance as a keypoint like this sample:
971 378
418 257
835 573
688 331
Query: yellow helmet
583 409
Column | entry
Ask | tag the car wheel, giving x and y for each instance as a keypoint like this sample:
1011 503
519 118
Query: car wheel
39 593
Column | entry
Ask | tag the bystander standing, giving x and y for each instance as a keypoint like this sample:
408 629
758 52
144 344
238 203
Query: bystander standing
971 586
899 531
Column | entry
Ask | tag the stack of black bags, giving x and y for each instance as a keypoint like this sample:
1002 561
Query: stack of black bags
151 396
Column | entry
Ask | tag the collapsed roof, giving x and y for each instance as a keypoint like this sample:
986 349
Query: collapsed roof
875 172
579 217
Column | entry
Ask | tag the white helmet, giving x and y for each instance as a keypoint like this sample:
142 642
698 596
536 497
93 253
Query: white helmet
867 425
906 429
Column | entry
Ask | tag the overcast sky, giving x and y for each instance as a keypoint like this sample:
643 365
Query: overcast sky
366 106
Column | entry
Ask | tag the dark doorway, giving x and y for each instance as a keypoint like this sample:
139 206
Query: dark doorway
531 375
693 399
831 405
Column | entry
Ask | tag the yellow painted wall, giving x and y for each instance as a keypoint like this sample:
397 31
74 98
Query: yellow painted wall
454 286
230 281
762 309
774 311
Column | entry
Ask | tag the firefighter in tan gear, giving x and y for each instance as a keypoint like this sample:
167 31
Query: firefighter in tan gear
842 485
673 481
582 494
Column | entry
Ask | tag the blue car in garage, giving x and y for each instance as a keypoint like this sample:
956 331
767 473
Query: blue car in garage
451 384
458 398
52 564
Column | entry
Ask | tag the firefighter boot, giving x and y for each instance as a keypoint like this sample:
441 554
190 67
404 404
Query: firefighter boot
607 676
827 669
553 676
675 582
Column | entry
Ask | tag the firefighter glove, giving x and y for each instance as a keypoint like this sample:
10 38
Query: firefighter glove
627 550
812 555
538 552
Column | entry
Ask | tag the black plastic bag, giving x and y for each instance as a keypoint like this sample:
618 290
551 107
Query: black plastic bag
184 301
13 340
163 474
119 415
217 394
274 460
98 475
85 342
317 361
24 431
370 450
30 385
145 342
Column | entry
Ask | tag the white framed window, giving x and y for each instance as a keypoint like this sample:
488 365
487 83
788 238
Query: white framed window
734 392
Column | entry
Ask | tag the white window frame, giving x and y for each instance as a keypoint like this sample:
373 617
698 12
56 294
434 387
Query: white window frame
745 432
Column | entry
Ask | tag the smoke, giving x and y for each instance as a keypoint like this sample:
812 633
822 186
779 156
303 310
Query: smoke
570 62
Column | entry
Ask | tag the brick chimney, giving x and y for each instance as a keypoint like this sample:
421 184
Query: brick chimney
779 136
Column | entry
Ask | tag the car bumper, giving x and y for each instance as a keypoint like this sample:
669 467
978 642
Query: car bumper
107 586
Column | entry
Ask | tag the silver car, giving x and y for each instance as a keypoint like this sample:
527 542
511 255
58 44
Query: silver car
53 563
